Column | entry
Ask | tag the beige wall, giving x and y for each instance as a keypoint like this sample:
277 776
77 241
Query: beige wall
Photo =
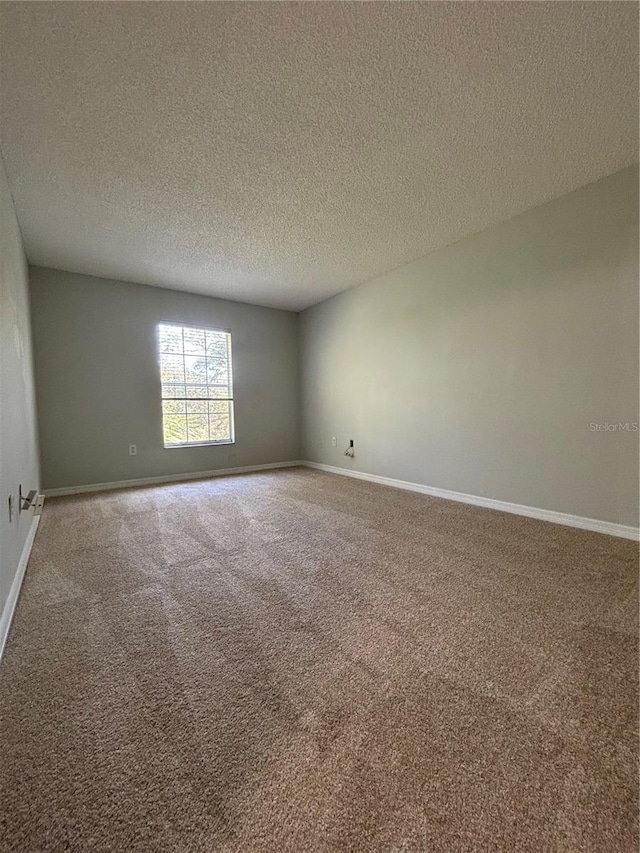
18 437
97 380
481 367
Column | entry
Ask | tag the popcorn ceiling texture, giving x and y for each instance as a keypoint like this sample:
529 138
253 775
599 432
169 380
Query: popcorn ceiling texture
295 662
279 153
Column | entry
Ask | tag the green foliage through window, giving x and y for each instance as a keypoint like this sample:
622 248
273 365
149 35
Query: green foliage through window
197 385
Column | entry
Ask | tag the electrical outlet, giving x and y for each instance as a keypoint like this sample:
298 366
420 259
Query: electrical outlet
334 441
133 450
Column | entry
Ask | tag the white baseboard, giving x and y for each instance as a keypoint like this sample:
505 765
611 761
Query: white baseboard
14 592
598 526
166 478
594 524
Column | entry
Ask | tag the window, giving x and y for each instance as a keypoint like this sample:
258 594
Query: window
197 385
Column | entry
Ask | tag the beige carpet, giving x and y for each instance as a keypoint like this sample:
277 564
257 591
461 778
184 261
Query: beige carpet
294 661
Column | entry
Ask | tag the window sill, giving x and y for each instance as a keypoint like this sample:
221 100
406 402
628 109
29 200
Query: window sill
197 444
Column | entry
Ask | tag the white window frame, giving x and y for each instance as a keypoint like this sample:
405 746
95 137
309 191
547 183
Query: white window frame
230 400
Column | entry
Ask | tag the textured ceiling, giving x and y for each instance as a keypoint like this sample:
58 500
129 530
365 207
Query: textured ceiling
279 153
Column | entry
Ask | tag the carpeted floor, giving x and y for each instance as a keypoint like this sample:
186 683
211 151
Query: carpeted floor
295 661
